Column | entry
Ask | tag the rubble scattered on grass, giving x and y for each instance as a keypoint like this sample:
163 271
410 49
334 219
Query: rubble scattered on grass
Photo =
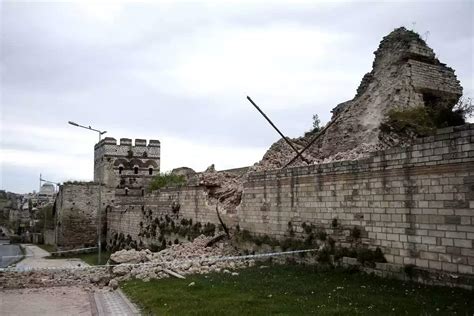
182 259
177 260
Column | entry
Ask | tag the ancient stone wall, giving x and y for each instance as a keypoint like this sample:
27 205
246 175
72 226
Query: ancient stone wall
178 203
416 203
75 214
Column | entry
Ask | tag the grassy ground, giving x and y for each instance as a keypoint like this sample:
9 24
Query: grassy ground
90 258
295 290
48 248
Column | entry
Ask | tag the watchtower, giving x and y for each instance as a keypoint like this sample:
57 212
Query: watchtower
126 165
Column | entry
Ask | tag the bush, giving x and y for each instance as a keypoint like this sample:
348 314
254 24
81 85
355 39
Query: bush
405 121
321 235
409 270
308 228
154 248
344 252
167 180
324 256
464 108
355 233
369 257
424 120
15 239
246 236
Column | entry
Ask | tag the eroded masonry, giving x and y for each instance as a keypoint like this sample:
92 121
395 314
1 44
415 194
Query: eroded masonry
363 183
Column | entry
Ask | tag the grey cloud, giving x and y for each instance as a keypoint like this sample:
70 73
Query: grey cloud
59 65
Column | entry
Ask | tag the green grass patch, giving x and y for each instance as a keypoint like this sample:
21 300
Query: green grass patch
48 248
295 290
89 258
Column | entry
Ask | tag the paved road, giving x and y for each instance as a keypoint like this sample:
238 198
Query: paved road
59 301
9 254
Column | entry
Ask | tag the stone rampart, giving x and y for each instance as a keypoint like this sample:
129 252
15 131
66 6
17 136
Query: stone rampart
415 203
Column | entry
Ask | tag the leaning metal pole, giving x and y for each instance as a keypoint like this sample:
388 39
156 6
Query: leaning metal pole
310 143
273 125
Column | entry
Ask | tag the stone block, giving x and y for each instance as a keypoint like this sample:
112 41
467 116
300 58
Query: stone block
463 243
429 240
450 267
456 220
465 269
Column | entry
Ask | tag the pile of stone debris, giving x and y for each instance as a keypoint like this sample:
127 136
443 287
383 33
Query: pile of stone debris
82 276
197 257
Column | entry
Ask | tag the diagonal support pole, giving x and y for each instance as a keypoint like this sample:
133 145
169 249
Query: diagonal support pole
273 125
309 144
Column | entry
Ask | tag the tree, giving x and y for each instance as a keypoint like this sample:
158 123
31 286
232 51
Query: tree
316 123
316 128
464 108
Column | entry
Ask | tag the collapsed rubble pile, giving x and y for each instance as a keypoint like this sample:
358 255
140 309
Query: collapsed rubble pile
225 187
405 75
178 260
197 257
82 276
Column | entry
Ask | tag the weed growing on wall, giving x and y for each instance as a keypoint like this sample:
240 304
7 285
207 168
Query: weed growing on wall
161 231
313 237
167 179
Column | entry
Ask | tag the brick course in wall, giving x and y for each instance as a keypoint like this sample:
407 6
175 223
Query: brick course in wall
416 203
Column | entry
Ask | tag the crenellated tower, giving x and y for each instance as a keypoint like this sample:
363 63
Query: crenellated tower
126 165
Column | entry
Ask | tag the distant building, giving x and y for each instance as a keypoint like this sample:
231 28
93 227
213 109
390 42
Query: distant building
47 192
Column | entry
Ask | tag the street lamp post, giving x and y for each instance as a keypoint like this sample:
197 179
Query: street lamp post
99 246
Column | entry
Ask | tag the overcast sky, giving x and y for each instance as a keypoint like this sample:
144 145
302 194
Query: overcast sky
180 71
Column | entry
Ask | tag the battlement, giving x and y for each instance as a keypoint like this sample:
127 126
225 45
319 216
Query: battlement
128 142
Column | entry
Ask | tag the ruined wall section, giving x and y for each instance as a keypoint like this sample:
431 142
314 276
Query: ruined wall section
416 203
75 214
405 74
126 165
